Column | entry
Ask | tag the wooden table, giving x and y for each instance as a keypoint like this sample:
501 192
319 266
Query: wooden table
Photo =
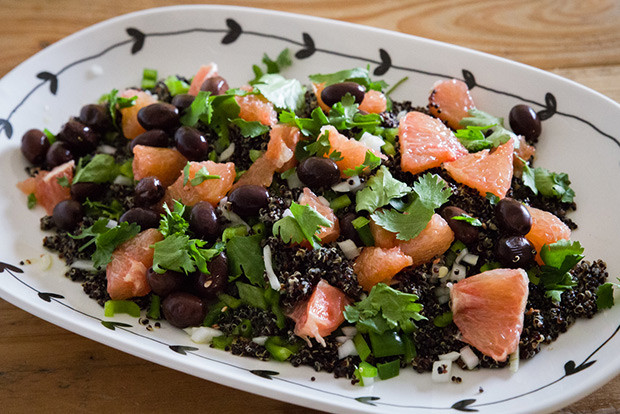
45 367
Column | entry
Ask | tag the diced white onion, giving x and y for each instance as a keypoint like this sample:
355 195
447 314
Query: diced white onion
367 381
349 331
450 356
293 181
122 180
443 299
442 371
372 142
83 265
350 250
260 340
323 201
341 339
470 259
226 154
401 115
45 262
347 348
458 272
202 334
287 213
106 149
351 184
228 214
111 224
460 256
514 361
468 356
271 276
443 272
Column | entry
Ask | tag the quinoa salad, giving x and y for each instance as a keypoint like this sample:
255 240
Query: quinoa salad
317 221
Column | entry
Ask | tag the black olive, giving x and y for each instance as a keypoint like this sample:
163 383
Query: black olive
525 121
203 221
83 190
163 284
191 143
513 217
183 309
215 84
68 214
317 172
35 146
348 231
183 101
96 116
334 93
152 138
81 139
159 115
515 252
146 219
58 154
247 200
149 191
208 285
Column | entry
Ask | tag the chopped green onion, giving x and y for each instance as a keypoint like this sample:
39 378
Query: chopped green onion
154 311
363 350
365 370
222 342
389 369
176 86
112 307
489 266
457 246
243 329
259 228
279 349
32 201
254 154
50 136
234 231
340 202
388 148
149 78
443 320
273 300
361 224
386 344
212 156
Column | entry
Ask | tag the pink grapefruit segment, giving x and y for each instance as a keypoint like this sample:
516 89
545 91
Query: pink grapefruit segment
327 234
126 272
450 101
211 190
204 72
352 151
546 229
426 143
374 102
163 163
256 108
488 310
377 264
129 121
487 172
321 314
46 188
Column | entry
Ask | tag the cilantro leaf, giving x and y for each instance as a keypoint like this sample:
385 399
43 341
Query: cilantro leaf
63 181
559 258
106 239
384 309
173 222
468 219
100 169
200 107
245 256
431 193
116 102
32 201
358 75
371 161
473 137
201 176
250 129
605 296
112 210
283 93
381 188
304 224
310 127
549 184
345 115
171 254
283 60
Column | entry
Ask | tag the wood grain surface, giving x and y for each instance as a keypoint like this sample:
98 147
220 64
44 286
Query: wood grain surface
44 367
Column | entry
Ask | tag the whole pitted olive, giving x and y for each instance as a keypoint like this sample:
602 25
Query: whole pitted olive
159 115
525 121
146 219
183 309
215 84
68 214
208 285
35 146
58 154
318 172
96 116
163 284
515 252
334 93
463 230
84 190
247 200
513 217
152 138
191 143
80 138
203 221
182 101
347 229
149 191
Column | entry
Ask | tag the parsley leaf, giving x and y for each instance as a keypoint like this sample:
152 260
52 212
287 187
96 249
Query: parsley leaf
283 93
559 258
371 161
304 224
106 239
100 169
549 184
384 309
381 188
431 193
245 256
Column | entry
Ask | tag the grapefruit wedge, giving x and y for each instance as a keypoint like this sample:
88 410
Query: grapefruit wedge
164 163
46 188
256 108
126 272
204 72
485 171
374 102
327 234
426 143
321 314
450 101
546 229
377 264
129 121
352 152
211 190
488 310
